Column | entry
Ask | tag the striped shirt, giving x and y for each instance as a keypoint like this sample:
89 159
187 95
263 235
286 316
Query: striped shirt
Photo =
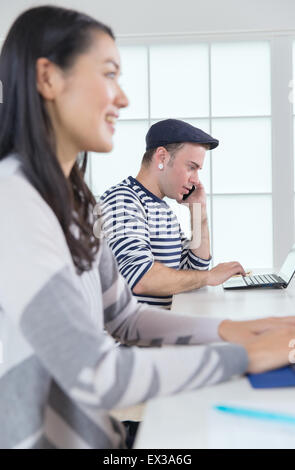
140 229
61 370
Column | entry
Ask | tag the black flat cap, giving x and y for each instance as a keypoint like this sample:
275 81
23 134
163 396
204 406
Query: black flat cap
172 131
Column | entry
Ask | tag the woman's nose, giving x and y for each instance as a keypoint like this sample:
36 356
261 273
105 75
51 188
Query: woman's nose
122 100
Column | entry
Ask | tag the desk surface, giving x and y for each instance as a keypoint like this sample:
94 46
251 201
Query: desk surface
180 421
238 304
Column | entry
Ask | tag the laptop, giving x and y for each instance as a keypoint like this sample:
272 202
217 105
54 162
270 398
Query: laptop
277 280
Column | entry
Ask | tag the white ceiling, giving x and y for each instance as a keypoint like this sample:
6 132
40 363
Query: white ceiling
172 16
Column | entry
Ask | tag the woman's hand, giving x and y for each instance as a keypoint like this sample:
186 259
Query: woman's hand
242 332
270 350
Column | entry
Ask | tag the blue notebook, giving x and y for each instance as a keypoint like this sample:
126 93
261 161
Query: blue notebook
283 377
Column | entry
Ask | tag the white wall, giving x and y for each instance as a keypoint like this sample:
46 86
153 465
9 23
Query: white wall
172 16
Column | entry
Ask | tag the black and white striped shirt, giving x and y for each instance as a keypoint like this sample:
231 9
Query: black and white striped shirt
140 229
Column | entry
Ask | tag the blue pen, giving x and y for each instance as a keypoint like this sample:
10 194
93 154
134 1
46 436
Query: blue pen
256 414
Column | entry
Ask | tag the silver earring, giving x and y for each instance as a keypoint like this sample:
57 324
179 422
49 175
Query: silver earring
161 166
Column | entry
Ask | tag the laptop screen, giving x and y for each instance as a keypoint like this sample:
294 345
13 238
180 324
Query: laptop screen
288 267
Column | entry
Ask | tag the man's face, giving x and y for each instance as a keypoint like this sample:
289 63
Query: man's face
181 172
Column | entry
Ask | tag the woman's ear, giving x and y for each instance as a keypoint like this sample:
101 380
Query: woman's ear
48 78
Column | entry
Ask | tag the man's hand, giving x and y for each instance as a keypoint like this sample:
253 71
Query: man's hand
222 272
244 331
269 350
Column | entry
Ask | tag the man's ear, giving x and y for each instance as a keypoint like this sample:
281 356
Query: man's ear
48 78
161 156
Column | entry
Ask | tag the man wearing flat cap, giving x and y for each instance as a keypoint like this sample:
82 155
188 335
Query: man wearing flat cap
143 232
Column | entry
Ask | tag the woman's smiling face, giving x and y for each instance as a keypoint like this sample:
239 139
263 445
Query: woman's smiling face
88 98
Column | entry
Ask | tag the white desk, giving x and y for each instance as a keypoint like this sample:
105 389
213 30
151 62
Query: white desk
236 304
181 421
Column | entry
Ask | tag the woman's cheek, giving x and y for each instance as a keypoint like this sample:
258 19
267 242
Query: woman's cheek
108 92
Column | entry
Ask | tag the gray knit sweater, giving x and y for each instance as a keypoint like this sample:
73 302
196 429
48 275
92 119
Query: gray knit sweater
61 372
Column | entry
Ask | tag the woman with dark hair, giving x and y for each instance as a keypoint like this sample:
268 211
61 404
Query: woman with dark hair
59 285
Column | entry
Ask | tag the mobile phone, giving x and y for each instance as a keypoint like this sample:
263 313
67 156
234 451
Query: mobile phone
188 194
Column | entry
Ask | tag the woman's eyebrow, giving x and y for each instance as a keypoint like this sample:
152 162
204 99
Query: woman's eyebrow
112 61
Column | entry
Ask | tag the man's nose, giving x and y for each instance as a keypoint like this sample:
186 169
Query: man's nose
194 179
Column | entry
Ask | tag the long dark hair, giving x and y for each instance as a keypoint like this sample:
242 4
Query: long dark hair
60 35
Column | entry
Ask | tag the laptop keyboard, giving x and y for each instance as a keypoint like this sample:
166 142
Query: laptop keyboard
261 279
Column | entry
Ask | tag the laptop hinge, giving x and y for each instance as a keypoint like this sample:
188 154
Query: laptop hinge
281 279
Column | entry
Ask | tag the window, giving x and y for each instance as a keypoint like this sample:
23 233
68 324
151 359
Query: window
226 88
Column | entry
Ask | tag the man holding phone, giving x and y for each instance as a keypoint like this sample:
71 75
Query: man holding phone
151 250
